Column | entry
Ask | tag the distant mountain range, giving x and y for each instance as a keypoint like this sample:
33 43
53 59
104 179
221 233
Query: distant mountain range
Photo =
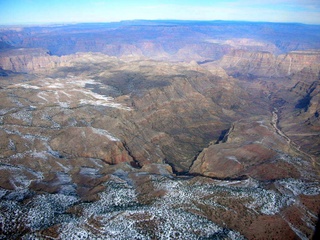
151 38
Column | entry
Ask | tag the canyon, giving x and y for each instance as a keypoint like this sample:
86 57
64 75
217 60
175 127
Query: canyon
160 130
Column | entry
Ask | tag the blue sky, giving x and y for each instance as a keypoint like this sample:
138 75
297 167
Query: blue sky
64 11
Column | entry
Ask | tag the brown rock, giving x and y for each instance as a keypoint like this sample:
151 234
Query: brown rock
265 64
90 143
251 148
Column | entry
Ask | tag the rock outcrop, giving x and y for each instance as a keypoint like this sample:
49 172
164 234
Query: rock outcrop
25 60
265 64
251 148
90 143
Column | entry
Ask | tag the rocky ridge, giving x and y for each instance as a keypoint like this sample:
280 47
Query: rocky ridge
266 64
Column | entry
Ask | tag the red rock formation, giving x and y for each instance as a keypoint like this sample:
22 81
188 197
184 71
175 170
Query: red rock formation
90 143
252 148
25 60
265 64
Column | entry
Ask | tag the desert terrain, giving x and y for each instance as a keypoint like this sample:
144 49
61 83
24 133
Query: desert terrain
160 130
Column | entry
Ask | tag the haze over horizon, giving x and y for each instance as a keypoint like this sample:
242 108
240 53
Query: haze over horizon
76 11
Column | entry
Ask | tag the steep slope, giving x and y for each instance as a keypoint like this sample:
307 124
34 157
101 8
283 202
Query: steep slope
299 117
265 64
254 148
290 81
25 60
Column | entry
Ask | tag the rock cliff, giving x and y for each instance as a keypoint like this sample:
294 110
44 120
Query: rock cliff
25 60
253 148
265 64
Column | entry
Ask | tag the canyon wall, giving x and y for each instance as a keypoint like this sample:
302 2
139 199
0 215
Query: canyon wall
265 64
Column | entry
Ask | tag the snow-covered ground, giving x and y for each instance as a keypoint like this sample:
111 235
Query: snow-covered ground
72 90
118 214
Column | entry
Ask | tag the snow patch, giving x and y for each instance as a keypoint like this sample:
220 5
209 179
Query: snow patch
233 158
261 124
25 116
4 111
64 104
297 187
63 167
105 133
56 85
40 95
82 82
24 85
89 171
41 155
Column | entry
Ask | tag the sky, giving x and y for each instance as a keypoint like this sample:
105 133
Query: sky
72 11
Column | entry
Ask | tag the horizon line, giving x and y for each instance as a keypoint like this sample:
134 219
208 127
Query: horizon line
29 24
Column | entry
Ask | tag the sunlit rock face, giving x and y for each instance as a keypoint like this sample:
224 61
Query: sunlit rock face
218 140
266 64
254 148
24 60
